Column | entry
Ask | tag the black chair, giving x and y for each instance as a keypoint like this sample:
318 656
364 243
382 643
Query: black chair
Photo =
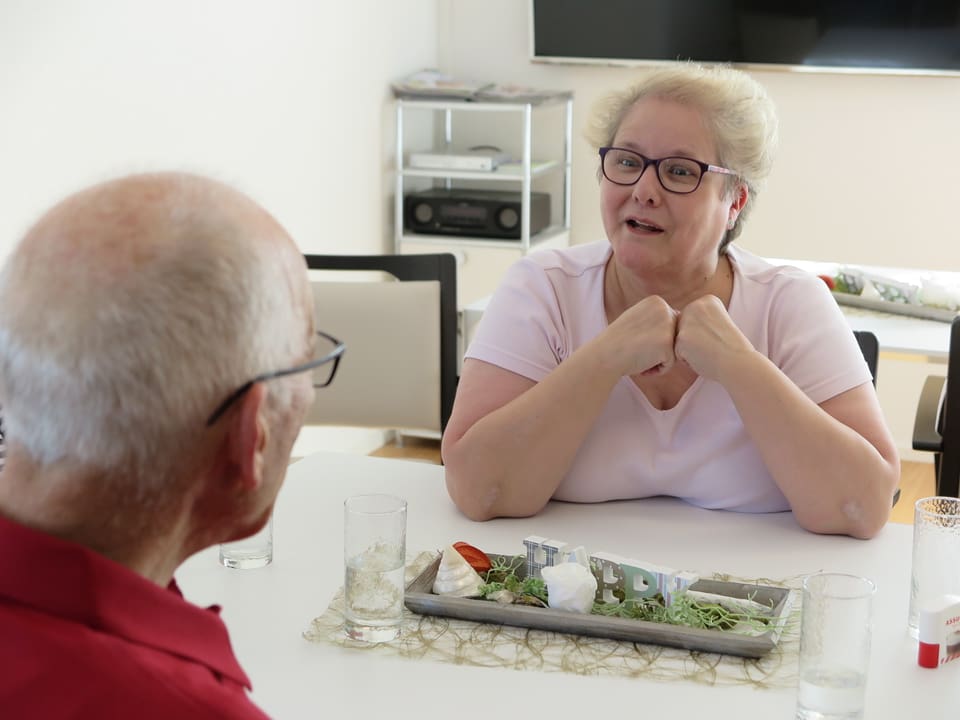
870 348
397 315
936 426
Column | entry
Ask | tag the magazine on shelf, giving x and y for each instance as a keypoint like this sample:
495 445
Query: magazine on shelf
434 84
519 93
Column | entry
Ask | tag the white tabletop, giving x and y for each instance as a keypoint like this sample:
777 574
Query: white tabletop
268 609
903 334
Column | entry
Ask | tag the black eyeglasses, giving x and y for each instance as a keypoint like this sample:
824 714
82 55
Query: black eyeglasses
679 175
323 366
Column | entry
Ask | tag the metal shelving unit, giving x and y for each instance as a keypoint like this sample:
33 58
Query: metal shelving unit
448 121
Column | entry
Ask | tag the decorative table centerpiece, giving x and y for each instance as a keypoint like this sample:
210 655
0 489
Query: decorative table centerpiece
556 586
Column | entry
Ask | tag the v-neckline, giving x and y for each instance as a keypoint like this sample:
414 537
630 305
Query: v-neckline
645 399
698 380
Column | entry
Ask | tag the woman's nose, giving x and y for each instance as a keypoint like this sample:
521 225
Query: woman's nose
647 189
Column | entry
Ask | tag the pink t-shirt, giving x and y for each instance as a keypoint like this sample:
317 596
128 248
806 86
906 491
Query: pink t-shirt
551 302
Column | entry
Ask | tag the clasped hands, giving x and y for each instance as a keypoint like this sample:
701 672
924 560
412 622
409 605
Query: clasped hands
651 336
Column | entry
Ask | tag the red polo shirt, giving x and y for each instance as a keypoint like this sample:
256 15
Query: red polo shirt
84 637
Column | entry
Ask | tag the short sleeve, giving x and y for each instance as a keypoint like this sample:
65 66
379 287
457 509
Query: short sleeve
811 341
522 327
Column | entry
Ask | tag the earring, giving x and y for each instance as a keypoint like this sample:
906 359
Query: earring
730 223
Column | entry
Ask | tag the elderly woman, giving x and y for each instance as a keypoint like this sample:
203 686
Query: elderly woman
665 360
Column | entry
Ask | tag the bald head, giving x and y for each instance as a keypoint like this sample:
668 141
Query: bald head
132 307
113 232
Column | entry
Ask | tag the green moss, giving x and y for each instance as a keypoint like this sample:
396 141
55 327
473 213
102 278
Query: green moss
684 610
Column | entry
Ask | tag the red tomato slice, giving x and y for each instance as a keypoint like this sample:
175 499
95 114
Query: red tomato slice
477 558
829 281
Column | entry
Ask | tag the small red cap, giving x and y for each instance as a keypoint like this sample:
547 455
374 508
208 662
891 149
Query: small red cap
928 655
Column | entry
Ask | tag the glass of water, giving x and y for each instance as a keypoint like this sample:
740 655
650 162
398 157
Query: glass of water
835 637
254 551
935 573
374 554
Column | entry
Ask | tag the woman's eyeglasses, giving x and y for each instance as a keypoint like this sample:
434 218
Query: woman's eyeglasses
681 175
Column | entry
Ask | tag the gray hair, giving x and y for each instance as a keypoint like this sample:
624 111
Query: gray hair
119 370
735 107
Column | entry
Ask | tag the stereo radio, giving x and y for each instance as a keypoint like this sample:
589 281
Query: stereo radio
481 213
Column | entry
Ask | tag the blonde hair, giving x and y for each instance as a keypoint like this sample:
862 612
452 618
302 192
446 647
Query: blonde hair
734 106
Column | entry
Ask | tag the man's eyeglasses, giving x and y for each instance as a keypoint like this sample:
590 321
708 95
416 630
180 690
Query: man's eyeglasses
324 366
679 175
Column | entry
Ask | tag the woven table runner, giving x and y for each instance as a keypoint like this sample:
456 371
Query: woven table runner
463 642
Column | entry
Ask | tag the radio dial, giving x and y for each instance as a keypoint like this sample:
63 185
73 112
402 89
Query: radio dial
423 213
508 218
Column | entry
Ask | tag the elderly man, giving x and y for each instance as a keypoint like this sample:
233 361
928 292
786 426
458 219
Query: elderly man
133 317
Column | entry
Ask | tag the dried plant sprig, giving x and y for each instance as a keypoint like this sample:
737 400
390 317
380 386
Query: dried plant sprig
684 610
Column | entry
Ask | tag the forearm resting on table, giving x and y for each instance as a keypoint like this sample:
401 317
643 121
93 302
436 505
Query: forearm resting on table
836 479
509 462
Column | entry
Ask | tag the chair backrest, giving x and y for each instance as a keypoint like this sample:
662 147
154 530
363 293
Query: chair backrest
948 422
870 349
397 315
936 427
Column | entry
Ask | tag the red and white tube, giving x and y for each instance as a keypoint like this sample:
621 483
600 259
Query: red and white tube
939 633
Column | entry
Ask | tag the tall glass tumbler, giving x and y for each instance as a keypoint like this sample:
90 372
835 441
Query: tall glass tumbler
374 553
936 555
835 634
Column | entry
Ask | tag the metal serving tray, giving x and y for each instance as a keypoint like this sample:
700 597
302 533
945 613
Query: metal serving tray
420 599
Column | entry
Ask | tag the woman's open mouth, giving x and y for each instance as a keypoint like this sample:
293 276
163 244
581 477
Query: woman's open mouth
643 226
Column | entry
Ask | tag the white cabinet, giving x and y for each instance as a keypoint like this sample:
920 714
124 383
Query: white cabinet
532 188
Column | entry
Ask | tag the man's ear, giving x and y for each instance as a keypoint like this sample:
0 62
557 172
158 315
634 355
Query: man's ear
247 438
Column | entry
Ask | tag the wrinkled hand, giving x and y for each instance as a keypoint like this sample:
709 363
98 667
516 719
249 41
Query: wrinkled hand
707 339
642 338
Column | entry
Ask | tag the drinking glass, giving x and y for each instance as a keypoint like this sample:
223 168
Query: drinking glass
834 646
374 552
936 555
249 552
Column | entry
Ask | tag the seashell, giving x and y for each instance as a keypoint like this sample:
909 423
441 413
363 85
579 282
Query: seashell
527 599
455 577
733 604
504 597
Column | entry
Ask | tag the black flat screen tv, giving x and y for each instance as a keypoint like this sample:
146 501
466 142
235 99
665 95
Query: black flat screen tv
877 35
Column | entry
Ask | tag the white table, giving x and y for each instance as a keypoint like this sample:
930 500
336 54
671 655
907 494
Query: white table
268 609
903 334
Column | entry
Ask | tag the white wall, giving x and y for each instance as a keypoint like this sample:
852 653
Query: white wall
287 99
867 167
